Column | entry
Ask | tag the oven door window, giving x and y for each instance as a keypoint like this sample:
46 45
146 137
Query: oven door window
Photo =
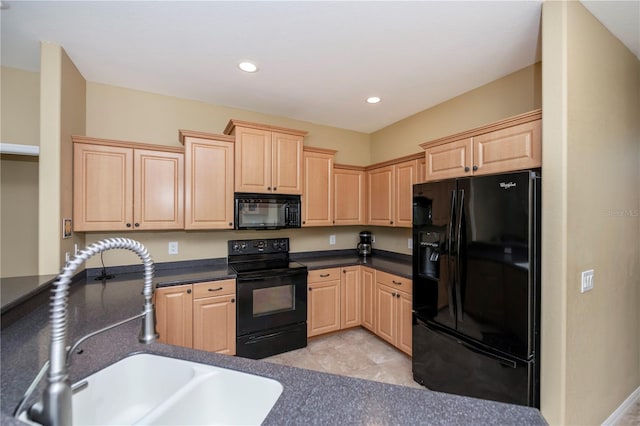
261 214
272 300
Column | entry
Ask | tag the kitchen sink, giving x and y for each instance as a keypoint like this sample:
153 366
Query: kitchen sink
146 389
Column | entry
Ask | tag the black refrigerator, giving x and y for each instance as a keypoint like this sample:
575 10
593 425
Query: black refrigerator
476 286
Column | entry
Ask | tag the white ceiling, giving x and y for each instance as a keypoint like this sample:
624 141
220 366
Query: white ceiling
317 60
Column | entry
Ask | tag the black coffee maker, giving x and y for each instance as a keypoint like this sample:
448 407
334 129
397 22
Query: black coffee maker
364 246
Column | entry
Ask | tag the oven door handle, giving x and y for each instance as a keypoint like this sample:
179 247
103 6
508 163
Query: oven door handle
260 275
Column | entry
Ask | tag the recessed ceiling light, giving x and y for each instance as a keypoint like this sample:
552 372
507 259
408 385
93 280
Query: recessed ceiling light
373 100
247 66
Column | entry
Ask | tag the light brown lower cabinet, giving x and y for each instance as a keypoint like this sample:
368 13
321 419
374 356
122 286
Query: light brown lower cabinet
200 316
393 310
323 301
350 297
368 278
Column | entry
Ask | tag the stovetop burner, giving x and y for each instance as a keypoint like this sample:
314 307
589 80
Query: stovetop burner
269 255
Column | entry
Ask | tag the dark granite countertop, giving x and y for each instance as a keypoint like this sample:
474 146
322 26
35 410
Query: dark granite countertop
392 263
309 397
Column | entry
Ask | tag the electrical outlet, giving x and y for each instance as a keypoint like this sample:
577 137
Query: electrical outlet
67 257
373 238
332 239
410 243
586 283
173 247
75 249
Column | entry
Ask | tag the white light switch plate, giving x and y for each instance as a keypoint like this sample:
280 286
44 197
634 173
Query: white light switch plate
410 243
586 283
332 239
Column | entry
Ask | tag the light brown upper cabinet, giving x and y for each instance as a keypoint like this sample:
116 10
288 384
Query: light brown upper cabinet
349 195
390 192
209 171
508 145
317 197
380 186
268 159
121 186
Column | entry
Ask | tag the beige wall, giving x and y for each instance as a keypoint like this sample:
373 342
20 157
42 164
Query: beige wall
125 114
19 216
213 244
62 106
591 341
20 124
513 94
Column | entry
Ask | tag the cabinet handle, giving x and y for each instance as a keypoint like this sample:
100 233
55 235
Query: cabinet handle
233 300
128 225
268 188
466 169
214 289
475 168
391 222
398 295
396 282
309 288
304 221
189 291
275 188
230 223
136 224
344 271
324 275
393 295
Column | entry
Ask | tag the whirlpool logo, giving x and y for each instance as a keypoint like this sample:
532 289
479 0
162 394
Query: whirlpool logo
505 185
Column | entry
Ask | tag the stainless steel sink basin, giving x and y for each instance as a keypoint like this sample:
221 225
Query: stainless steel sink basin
147 389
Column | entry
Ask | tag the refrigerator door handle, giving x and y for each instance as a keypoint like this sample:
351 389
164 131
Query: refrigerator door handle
450 243
458 274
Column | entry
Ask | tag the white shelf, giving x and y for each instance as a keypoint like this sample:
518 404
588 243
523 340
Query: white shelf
17 149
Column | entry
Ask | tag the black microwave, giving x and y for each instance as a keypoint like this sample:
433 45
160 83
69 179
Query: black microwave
266 211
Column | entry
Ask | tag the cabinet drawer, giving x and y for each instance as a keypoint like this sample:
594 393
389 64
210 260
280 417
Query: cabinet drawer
214 288
321 275
394 281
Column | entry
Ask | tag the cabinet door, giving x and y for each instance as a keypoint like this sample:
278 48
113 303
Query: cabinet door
515 148
386 317
350 297
287 163
174 315
405 318
380 196
323 307
158 198
349 196
317 199
253 160
406 176
209 171
214 324
368 277
102 188
449 160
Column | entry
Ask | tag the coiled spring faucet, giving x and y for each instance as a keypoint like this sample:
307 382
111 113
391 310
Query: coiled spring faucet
56 399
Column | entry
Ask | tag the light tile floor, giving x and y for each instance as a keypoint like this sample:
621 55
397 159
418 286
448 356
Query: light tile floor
359 353
355 353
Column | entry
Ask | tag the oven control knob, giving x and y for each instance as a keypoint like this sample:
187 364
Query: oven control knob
243 246
276 244
261 244
235 247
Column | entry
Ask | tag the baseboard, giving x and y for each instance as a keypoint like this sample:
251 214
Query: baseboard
622 409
